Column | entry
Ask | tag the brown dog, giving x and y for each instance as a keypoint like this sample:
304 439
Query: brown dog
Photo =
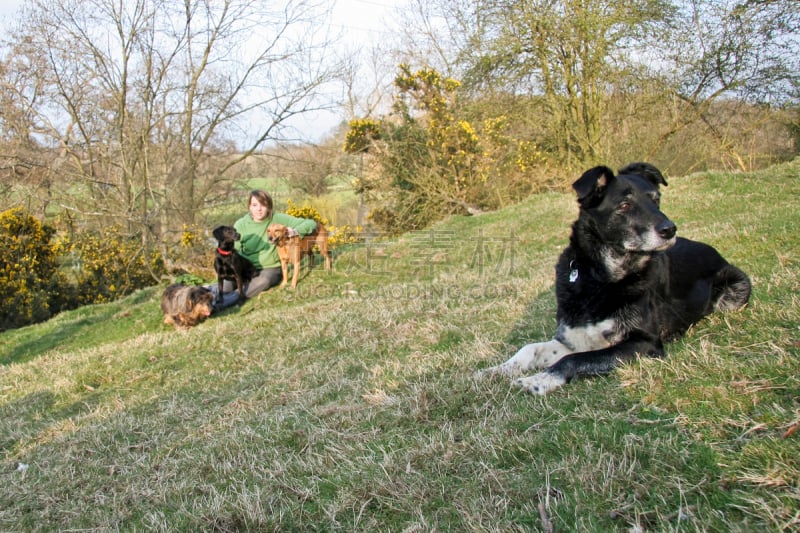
292 248
185 306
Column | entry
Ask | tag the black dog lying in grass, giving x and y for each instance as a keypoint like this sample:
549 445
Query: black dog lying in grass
625 284
228 264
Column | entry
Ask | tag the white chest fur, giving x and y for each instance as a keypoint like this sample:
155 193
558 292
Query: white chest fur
589 337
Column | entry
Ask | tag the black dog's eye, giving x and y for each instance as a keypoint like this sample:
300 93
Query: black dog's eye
624 207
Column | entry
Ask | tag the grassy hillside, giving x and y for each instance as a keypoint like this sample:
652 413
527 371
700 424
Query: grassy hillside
349 404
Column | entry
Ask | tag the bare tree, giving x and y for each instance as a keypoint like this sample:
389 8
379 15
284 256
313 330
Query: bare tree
574 61
367 78
446 35
152 104
25 168
743 52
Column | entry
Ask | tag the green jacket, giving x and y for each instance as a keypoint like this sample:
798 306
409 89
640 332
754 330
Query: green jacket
254 244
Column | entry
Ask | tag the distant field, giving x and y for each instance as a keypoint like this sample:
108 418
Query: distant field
349 403
339 205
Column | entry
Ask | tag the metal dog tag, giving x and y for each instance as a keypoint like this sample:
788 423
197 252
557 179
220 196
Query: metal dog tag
573 274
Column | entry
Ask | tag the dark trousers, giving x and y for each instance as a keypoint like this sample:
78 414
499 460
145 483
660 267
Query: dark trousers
269 277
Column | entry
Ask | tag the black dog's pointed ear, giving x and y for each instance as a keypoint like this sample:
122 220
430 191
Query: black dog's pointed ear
594 179
217 233
645 170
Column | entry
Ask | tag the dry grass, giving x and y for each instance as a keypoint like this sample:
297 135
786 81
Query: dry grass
349 404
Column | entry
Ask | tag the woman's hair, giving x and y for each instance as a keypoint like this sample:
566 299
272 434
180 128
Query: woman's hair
262 198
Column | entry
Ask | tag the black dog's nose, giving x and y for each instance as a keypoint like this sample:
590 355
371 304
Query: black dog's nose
667 229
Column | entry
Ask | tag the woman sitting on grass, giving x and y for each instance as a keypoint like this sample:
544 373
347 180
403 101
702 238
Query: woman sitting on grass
256 248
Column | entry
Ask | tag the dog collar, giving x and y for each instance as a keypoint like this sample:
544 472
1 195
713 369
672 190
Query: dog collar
223 252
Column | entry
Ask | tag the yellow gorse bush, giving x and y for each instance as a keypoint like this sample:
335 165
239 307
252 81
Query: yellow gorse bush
337 235
360 135
346 234
438 156
189 235
29 279
110 265
306 211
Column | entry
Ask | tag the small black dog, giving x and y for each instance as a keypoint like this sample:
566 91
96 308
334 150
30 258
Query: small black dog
228 264
625 284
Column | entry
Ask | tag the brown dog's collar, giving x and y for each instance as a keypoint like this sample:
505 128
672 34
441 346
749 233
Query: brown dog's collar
223 252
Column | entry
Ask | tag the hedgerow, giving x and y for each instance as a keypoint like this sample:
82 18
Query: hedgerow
42 275
109 265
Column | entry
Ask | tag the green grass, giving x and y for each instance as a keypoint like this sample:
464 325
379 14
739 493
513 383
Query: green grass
349 404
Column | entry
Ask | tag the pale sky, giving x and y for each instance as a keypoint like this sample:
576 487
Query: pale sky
356 15
7 10
362 22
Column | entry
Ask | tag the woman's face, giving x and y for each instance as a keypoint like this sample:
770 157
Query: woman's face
257 210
